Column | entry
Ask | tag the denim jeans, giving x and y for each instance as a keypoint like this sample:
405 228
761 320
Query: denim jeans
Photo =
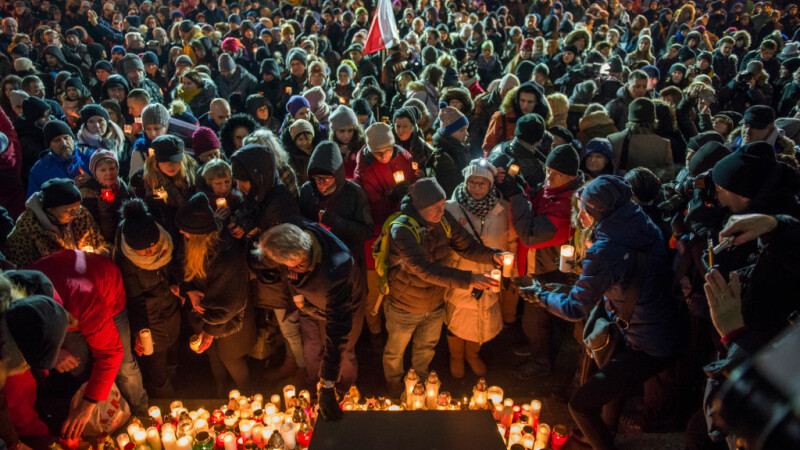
129 378
290 329
402 326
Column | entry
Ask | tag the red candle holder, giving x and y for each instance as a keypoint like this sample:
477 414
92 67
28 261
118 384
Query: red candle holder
559 436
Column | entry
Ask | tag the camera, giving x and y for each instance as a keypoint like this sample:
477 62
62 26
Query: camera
744 77
152 43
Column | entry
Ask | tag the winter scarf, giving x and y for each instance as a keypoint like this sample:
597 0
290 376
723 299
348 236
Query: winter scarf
480 207
97 141
161 258
187 95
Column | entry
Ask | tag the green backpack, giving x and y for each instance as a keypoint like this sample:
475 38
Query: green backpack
380 250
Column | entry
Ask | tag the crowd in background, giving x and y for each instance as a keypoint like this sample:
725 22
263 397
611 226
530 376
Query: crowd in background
213 164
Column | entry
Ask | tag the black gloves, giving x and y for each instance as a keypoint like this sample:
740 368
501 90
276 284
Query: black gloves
530 293
510 187
328 405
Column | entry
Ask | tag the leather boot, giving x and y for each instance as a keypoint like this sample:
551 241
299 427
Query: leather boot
287 369
474 359
456 345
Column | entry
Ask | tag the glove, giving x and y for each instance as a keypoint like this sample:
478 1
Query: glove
510 187
329 407
531 293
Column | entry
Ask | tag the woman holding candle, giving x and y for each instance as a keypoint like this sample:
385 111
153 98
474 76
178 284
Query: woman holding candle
143 252
104 193
625 267
450 151
474 317
218 186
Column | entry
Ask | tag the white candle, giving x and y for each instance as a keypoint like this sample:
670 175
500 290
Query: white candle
168 441
174 406
153 438
200 425
185 443
266 432
132 429
497 275
256 432
567 262
289 392
123 440
275 399
244 429
508 264
230 441
536 409
167 428
542 434
399 176
289 435
495 394
147 341
513 170
414 165
155 413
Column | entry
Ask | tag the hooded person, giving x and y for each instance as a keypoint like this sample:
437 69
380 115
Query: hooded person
215 280
627 262
528 98
408 135
54 61
450 151
104 192
318 106
143 251
474 319
270 83
259 107
135 75
597 158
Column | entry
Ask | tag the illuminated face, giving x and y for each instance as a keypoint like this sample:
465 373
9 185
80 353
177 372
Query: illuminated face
527 102
106 173
478 187
66 213
221 186
433 213
169 168
345 134
326 184
97 125
303 141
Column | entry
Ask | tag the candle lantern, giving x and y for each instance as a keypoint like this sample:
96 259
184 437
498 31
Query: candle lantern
132 429
184 443
107 195
418 396
527 441
123 439
542 434
194 342
432 386
203 441
275 441
558 437
289 393
289 436
443 401
217 417
258 415
229 441
185 428
513 170
222 203
275 399
304 394
480 394
160 193
200 425
304 435
245 430
155 415
146 339
410 380
508 265
495 394
567 263
399 176
514 438
167 428
230 419
414 165
168 441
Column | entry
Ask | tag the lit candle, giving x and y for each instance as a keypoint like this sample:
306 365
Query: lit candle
514 438
194 343
432 385
306 395
266 432
88 249
414 165
155 414
399 176
558 437
536 409
245 429
410 380
275 399
168 440
256 432
502 430
107 194
221 203
289 435
132 429
289 392
567 258
185 443
258 398
153 439
528 441
146 339
203 414
270 409
167 428
200 425
497 275
160 193
150 151
542 434
495 394
343 100
513 170
230 441
508 264
123 440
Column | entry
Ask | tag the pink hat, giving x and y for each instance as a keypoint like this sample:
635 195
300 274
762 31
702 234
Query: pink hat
230 44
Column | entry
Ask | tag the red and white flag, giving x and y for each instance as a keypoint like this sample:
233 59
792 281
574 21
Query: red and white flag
383 30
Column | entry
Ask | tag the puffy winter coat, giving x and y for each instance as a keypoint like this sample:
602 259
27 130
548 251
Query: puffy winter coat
449 157
51 166
419 274
623 233
470 319
618 108
90 288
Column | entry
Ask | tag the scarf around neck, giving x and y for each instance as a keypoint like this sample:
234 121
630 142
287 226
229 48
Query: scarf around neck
161 258
481 207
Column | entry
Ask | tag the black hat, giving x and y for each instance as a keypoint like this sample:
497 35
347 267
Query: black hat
571 48
615 64
361 106
642 110
196 216
149 58
38 325
59 192
73 82
562 132
706 157
104 65
686 54
185 26
759 117
55 128
530 128
168 148
408 112
134 21
703 138
525 71
138 227
564 159
33 108
91 110
745 171
21 49
679 67
706 55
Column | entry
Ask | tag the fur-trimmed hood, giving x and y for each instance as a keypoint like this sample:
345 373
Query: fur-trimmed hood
461 94
576 34
510 105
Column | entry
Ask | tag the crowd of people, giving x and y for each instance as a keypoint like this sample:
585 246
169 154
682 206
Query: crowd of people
207 164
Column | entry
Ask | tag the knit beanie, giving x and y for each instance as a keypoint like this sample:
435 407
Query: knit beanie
16 97
196 216
300 126
149 58
530 128
139 228
563 133
679 67
599 145
451 120
745 171
615 64
295 103
230 44
155 113
21 49
425 192
507 83
100 156
642 110
685 54
652 71
38 325
91 110
297 54
183 60
379 137
226 63
34 108
408 112
255 102
73 82
706 56
204 140
346 69
584 92
525 71
342 117
168 148
59 192
23 65
118 50
315 97
755 67
707 157
564 159
479 168
55 128
469 69
131 62
361 106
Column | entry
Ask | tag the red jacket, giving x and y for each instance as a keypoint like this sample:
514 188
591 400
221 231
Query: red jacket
475 90
12 192
90 287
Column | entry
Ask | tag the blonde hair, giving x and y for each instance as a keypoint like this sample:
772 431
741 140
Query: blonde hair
216 168
196 254
154 178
